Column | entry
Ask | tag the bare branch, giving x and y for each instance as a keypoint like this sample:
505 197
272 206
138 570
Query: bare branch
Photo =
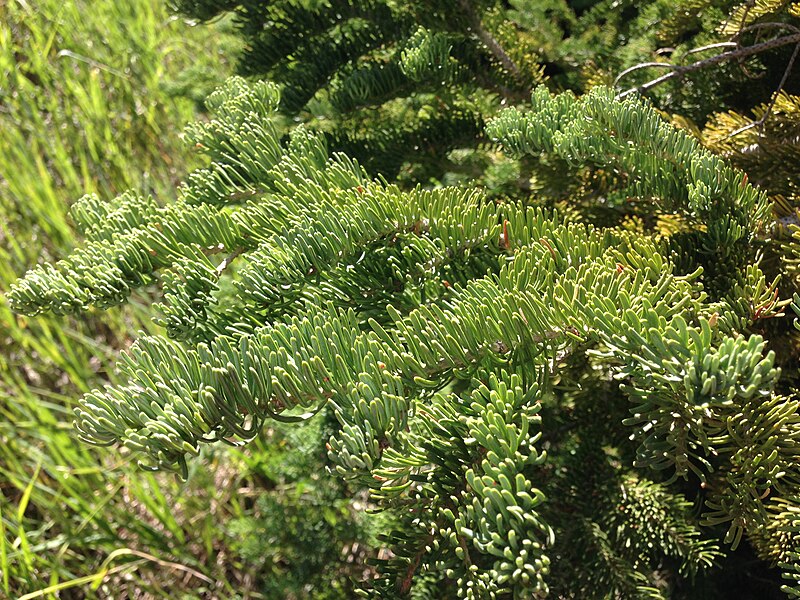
770 25
681 70
229 259
662 65
712 47
760 122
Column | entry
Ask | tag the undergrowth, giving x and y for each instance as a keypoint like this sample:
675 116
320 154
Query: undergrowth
90 90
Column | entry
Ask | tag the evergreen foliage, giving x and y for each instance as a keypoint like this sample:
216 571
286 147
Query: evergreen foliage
407 87
584 402
83 107
393 84
520 392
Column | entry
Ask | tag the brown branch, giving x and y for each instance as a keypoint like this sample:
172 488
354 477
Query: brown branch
644 65
490 42
758 28
712 47
760 122
463 544
229 259
679 71
404 585
762 26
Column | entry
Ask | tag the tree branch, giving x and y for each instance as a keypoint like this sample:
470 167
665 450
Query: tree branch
678 71
490 42
229 259
760 122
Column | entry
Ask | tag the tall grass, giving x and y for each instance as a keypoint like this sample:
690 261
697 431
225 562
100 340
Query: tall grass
85 106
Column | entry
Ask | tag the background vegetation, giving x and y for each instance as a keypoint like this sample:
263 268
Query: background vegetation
93 94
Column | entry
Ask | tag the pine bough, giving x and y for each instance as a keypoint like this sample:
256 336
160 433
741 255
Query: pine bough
536 402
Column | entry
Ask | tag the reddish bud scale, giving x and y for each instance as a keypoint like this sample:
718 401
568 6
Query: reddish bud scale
505 240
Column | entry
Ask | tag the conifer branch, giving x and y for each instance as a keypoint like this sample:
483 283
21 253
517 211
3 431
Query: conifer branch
489 40
677 71
438 394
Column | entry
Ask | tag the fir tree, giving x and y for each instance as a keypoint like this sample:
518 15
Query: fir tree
537 405
574 401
